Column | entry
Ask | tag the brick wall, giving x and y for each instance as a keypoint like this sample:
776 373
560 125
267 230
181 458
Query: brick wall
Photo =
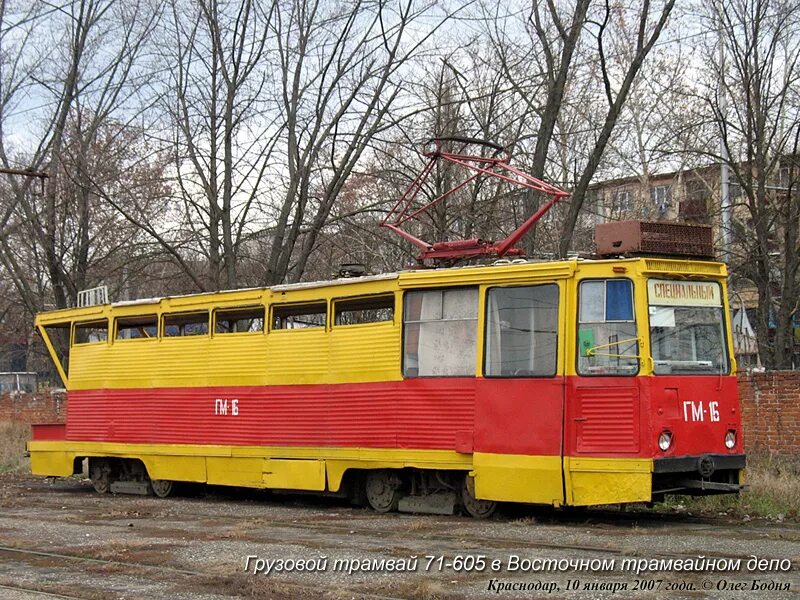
771 411
44 407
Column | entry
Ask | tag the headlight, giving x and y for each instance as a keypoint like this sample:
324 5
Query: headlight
730 439
665 440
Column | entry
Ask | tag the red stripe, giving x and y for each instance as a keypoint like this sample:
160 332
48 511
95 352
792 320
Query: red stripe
600 416
419 413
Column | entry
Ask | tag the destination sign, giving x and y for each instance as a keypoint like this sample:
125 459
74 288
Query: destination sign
670 292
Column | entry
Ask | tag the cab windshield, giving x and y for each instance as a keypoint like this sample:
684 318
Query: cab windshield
687 331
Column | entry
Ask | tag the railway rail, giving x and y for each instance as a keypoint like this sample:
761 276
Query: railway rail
192 548
135 565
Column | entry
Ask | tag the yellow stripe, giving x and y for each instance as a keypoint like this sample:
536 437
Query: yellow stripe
502 477
518 478
607 480
242 465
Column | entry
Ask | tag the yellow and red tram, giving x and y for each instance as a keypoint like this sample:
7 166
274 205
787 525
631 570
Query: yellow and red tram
573 382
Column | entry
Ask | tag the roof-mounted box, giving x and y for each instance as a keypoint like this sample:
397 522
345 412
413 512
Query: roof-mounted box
632 238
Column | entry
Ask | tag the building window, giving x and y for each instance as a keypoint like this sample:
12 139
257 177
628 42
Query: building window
299 316
358 311
186 324
440 333
607 342
90 333
661 195
522 331
694 207
138 327
240 320
622 202
785 177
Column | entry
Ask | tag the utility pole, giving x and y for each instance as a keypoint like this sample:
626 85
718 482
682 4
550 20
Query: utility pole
726 208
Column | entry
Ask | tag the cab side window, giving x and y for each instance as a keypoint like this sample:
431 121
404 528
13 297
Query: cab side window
607 343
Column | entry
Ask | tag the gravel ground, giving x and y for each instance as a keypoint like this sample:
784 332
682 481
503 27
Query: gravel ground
58 539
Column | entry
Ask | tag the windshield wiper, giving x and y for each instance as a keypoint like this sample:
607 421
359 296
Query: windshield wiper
687 365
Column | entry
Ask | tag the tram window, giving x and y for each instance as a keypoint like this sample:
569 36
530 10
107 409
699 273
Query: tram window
440 332
687 327
299 316
240 320
607 342
186 324
88 333
138 327
364 310
522 331
59 336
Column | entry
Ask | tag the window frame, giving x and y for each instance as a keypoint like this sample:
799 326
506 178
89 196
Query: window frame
403 323
163 324
74 332
223 309
279 305
578 322
785 176
666 201
486 326
345 299
137 339
725 332
622 201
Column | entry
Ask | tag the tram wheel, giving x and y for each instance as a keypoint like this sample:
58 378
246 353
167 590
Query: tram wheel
382 488
162 487
100 475
479 509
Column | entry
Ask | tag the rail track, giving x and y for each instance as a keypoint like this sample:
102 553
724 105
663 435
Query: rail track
136 566
38 592
467 541
294 526
603 518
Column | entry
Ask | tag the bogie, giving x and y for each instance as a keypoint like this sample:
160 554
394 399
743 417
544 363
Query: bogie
479 509
162 487
383 489
100 473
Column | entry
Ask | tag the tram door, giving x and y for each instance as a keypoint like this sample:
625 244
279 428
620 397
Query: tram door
519 399
603 412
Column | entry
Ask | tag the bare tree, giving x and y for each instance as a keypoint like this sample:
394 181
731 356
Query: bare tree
646 33
83 80
342 69
759 121
538 68
214 58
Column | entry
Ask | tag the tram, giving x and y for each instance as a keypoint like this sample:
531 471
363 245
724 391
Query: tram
567 383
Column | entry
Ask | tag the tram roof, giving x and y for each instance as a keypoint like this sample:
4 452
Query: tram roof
427 275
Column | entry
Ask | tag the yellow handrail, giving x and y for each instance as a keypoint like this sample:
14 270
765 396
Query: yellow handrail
592 351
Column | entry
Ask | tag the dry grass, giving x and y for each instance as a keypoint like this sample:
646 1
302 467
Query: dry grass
773 492
429 589
137 551
13 437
